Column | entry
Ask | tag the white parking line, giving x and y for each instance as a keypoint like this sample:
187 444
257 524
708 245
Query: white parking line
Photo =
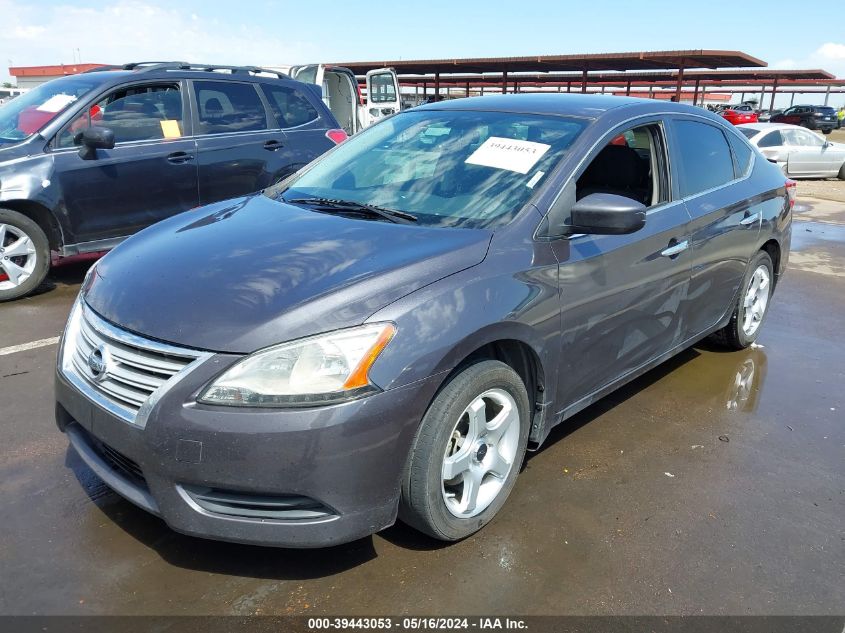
44 342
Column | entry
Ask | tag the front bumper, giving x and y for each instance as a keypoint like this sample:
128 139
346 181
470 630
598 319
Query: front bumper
347 459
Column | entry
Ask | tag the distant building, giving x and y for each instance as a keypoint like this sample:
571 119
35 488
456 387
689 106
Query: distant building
31 76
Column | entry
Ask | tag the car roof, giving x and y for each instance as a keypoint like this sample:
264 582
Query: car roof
765 127
561 104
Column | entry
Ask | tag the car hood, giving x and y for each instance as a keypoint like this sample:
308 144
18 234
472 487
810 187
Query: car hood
243 274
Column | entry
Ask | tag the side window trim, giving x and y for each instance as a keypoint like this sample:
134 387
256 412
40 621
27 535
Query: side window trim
187 122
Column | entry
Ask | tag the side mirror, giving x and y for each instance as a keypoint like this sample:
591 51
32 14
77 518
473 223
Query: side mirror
95 138
607 214
826 144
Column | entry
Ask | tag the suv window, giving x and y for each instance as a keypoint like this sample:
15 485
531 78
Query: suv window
135 113
228 106
290 107
704 156
630 165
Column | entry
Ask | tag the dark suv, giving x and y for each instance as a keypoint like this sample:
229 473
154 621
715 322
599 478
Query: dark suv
809 116
87 160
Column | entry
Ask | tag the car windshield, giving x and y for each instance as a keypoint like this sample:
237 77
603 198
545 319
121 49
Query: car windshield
29 113
749 132
464 169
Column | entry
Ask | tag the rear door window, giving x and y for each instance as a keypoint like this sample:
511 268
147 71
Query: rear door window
290 107
228 106
772 139
704 156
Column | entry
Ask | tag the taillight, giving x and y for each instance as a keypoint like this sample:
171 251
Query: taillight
337 136
791 191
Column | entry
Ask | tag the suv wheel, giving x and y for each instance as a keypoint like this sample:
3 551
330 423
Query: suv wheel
24 255
467 453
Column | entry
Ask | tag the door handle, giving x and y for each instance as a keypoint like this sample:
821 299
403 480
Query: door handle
751 219
675 249
273 145
179 157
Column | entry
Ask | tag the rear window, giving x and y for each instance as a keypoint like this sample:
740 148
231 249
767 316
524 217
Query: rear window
290 107
825 110
742 155
705 157
748 132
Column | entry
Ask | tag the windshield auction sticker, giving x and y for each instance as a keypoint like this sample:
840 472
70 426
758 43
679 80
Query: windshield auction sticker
508 153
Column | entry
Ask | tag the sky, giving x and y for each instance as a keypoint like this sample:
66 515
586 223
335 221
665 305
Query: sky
258 32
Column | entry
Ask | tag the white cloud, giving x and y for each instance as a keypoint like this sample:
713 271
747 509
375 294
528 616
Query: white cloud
832 51
829 56
134 30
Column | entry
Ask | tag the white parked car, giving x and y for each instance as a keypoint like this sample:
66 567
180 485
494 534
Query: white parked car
799 152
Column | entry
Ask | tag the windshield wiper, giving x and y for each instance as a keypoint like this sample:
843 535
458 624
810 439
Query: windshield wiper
349 206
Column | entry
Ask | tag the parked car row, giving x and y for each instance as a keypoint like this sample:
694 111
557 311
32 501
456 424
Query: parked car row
383 334
89 159
813 117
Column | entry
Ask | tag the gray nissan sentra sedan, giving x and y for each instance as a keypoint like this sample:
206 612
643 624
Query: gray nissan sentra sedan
384 334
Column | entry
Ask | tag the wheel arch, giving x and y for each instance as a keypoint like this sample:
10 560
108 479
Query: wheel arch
513 348
42 216
773 248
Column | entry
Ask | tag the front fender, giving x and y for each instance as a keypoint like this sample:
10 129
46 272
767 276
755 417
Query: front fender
442 324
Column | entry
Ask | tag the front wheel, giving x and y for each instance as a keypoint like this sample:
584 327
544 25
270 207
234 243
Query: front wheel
24 255
467 453
752 305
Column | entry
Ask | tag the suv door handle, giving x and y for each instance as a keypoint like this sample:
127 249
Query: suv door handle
273 145
748 220
179 157
673 250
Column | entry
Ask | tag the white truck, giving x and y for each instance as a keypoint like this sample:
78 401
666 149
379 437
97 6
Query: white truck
343 96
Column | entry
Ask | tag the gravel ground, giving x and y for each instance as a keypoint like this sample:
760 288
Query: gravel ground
825 189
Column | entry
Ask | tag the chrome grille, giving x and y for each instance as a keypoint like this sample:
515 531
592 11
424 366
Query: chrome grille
117 369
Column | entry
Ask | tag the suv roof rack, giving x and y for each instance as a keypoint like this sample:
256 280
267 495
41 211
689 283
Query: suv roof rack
153 66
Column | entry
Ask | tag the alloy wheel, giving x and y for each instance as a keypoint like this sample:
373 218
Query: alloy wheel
756 301
480 453
17 257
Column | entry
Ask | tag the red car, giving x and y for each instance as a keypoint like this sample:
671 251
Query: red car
740 114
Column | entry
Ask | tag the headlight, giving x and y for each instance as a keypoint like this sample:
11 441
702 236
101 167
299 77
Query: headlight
317 370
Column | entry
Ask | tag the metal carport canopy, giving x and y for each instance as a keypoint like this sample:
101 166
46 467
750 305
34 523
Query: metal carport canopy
709 77
644 60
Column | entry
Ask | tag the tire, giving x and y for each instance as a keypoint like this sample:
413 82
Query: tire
445 439
739 333
25 256
827 130
842 172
